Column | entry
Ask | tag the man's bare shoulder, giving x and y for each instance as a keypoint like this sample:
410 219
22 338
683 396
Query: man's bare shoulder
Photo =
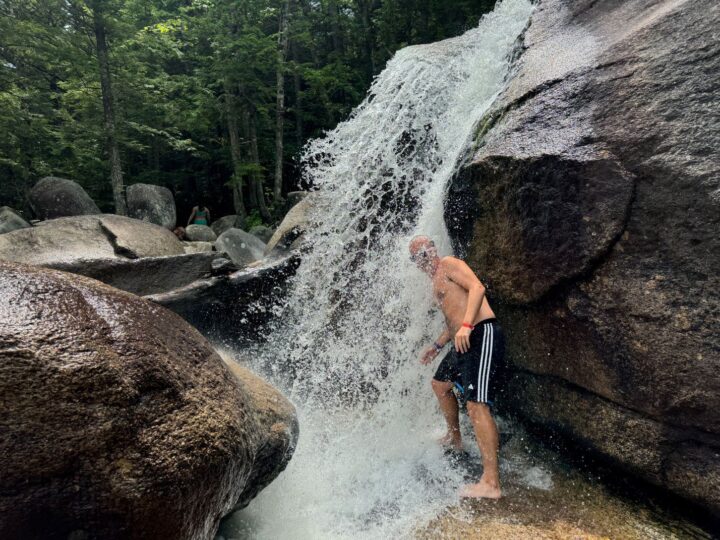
449 261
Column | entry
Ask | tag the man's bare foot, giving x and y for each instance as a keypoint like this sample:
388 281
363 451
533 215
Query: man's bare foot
481 490
451 441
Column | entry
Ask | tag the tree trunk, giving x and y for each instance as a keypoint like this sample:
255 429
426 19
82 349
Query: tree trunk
116 174
366 7
280 102
298 100
257 183
252 176
235 154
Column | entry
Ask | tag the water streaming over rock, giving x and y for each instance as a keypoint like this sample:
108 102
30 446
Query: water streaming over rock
346 347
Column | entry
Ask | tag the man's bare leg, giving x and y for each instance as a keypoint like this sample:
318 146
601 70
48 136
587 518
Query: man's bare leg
487 437
451 412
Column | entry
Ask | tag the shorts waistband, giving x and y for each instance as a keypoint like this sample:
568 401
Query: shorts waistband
487 321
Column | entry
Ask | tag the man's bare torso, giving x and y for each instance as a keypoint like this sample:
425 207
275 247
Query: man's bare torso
452 299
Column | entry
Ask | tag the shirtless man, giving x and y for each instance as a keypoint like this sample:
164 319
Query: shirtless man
473 362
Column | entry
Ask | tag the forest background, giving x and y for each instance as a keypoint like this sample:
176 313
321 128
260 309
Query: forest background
213 99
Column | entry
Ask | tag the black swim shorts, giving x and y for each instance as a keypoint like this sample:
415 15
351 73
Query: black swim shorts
478 373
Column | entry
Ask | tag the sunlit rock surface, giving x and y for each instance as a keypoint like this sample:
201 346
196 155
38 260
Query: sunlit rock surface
591 210
54 197
120 420
65 240
293 225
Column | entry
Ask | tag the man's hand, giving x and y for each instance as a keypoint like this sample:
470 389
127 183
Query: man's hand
462 340
428 355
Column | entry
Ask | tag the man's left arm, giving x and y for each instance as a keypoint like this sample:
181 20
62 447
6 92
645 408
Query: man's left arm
459 272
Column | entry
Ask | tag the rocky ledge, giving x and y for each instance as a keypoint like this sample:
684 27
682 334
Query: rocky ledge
591 208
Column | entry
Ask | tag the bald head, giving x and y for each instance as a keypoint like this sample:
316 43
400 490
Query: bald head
423 253
420 242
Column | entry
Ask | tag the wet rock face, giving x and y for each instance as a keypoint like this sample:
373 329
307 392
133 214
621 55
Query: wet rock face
10 220
119 419
591 208
54 197
154 204
67 240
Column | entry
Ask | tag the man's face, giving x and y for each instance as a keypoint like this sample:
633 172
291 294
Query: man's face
422 253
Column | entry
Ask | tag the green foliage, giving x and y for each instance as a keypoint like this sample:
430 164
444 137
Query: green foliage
173 64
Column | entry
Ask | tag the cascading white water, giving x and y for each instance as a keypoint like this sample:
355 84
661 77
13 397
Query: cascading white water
358 313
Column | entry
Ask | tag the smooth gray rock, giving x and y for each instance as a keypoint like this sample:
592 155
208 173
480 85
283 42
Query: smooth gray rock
197 247
54 197
120 420
10 220
295 223
221 225
242 247
199 233
263 232
155 204
102 236
592 210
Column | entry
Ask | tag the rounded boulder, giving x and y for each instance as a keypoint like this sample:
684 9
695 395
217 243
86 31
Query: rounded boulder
199 233
151 203
120 420
10 220
54 197
242 247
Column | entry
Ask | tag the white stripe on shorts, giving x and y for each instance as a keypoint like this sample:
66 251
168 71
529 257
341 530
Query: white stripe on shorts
483 353
489 362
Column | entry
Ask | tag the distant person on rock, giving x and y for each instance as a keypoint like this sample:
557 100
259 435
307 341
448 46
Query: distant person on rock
200 215
473 365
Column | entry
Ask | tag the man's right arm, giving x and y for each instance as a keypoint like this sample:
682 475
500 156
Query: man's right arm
432 351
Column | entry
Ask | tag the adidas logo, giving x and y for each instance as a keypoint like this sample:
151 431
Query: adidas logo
471 387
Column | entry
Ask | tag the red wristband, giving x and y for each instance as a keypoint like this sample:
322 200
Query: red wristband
466 325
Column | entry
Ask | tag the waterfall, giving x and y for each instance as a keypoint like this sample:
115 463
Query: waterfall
345 347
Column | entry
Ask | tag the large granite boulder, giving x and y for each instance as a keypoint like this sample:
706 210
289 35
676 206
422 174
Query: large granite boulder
67 240
155 204
199 233
296 222
224 223
242 247
591 208
54 197
120 420
10 220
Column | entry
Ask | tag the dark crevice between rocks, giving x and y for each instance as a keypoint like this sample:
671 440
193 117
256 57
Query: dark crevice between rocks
122 251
